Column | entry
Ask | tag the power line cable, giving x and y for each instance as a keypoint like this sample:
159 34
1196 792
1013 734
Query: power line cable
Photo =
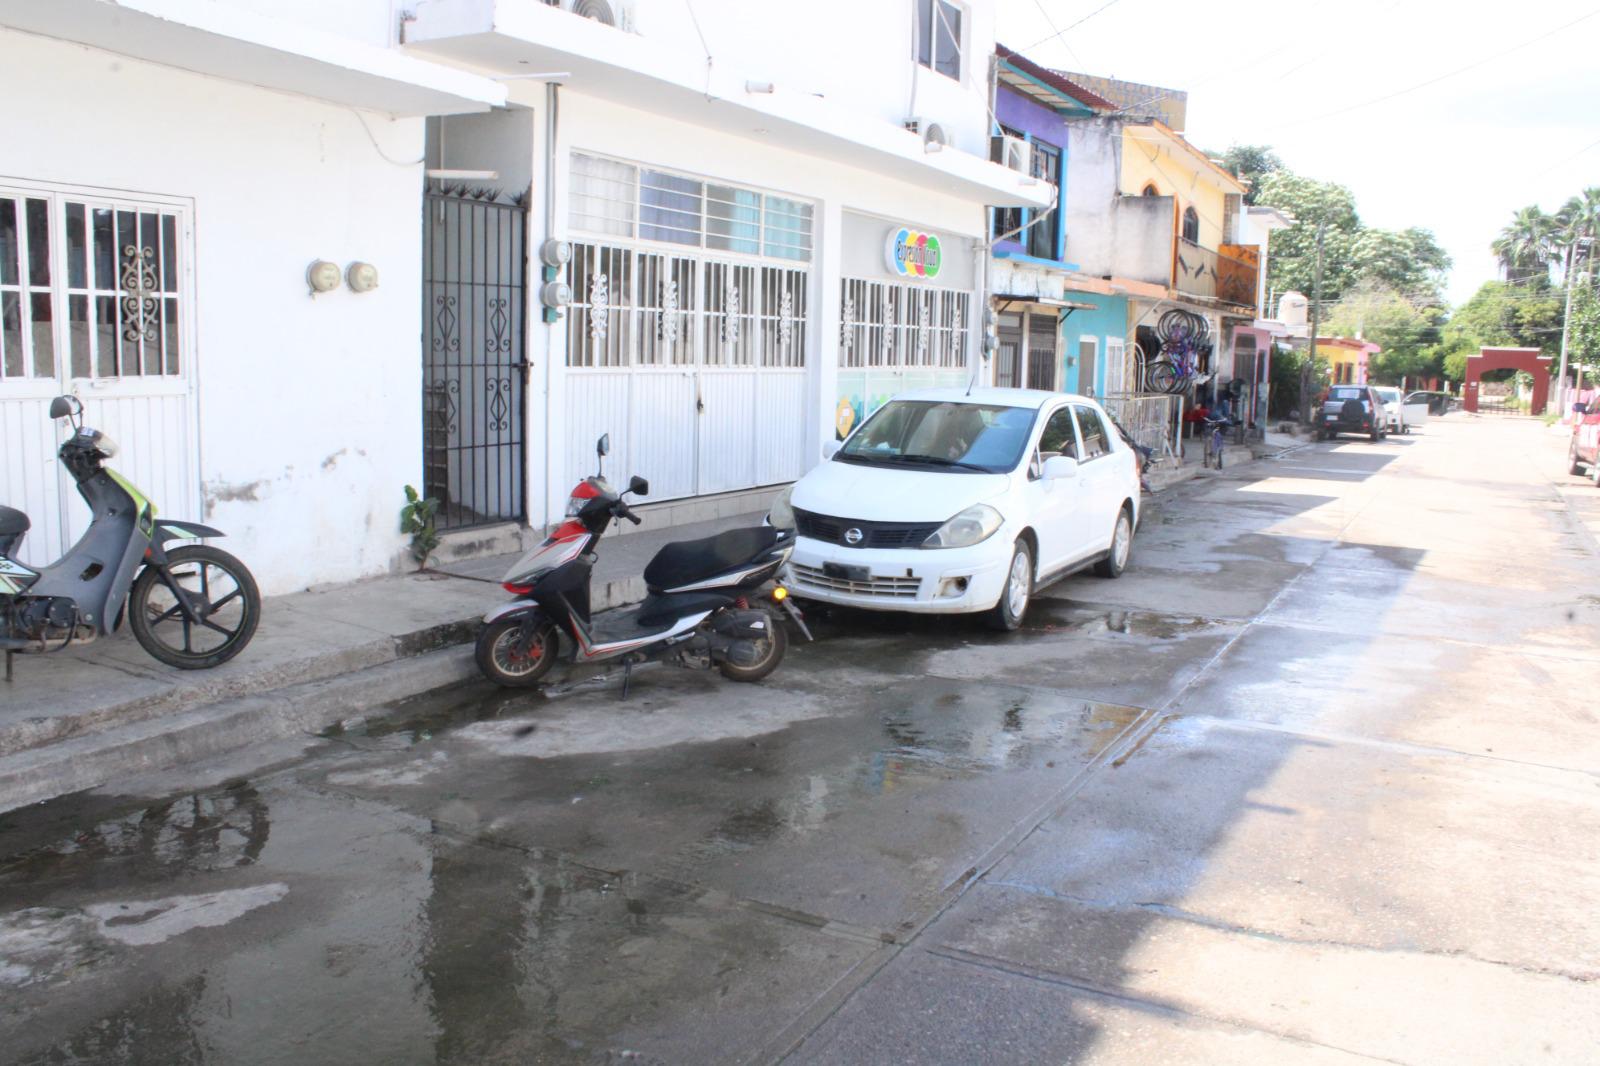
1075 25
1441 77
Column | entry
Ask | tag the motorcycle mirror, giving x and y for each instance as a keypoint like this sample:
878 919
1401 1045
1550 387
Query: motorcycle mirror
639 486
602 447
65 407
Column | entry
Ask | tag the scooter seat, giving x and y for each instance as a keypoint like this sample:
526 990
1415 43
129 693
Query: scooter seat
13 521
686 562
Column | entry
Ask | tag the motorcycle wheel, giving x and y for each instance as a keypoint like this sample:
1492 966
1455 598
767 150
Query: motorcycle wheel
500 661
776 645
229 602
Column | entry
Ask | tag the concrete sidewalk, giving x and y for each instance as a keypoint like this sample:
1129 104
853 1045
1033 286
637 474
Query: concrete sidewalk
83 717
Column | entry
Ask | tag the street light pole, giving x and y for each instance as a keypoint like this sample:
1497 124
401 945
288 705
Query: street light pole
1316 322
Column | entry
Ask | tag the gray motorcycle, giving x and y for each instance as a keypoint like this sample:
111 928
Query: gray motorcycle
191 606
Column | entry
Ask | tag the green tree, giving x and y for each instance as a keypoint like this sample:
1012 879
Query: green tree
1410 261
1294 250
1251 164
1583 340
1406 330
1527 245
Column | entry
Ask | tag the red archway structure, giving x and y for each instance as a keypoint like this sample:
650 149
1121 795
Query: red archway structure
1527 359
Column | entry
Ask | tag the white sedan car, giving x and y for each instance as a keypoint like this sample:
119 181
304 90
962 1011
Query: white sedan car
1403 417
948 502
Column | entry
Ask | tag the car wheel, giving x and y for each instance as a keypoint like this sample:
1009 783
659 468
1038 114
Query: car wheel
1007 615
1574 466
1375 435
1116 559
1594 473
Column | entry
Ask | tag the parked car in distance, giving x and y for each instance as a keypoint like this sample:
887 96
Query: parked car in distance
1403 414
1352 409
1583 454
1439 403
950 502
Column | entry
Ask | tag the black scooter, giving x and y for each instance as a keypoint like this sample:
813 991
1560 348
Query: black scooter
191 606
707 601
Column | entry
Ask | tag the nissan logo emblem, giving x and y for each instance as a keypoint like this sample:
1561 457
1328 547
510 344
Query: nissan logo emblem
853 535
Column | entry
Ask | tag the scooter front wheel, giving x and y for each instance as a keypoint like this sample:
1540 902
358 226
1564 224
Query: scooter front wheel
774 647
224 607
505 663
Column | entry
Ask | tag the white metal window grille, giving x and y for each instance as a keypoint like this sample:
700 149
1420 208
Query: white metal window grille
883 324
107 273
640 307
617 199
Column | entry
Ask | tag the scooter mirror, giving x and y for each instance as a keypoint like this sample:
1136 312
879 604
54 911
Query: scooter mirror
602 447
639 486
65 407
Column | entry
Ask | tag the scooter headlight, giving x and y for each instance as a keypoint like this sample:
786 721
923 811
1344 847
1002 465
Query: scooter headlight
972 526
106 446
782 514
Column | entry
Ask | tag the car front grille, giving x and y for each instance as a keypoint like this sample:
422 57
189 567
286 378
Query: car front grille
873 534
895 588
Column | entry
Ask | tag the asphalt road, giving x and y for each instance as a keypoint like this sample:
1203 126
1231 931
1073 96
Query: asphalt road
1314 782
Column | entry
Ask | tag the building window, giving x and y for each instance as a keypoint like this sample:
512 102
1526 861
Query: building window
616 199
1150 190
88 289
883 324
1191 225
939 37
1044 234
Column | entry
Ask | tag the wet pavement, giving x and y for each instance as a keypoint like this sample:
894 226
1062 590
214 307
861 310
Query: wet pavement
1313 782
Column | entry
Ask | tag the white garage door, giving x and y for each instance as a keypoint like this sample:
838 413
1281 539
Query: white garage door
94 301
692 357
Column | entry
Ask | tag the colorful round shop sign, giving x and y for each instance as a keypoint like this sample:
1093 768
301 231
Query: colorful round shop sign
913 254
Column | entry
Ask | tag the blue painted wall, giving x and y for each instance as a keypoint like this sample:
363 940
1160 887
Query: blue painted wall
1109 319
1033 120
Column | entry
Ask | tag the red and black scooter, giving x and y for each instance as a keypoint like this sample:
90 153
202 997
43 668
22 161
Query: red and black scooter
710 601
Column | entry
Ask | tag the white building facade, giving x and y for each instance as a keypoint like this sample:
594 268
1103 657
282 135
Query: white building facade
754 245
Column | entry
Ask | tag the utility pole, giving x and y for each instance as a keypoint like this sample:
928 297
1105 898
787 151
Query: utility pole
1316 320
1566 326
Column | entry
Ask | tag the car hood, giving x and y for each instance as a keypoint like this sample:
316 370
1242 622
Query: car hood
893 494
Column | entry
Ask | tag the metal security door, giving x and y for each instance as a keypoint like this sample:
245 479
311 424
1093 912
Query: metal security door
474 356
95 300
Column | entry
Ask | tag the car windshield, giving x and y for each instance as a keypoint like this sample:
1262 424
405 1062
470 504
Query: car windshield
1388 395
942 434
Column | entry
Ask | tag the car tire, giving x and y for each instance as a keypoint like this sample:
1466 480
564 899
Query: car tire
1594 473
1116 560
1007 615
1574 465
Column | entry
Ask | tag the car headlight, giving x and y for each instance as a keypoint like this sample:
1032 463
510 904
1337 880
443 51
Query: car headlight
782 514
977 523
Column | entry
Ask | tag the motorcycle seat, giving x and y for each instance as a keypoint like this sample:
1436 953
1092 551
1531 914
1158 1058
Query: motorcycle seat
12 521
686 562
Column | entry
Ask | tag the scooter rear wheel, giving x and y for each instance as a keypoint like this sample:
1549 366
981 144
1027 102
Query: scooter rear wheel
776 645
501 661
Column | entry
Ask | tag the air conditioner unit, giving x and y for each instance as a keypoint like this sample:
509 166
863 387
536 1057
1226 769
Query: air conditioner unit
1013 153
618 13
933 135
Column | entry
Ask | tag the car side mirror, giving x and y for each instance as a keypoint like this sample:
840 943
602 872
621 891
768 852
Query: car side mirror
639 486
830 448
1059 466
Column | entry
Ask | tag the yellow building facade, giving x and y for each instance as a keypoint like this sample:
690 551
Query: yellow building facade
1158 162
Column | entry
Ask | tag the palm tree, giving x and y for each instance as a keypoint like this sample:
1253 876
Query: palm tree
1527 246
1579 219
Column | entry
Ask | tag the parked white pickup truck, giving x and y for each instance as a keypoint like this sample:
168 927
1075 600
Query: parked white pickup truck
1402 416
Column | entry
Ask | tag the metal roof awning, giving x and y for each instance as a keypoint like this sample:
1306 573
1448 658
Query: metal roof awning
223 41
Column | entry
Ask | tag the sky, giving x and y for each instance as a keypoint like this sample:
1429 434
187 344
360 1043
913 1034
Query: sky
1458 156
